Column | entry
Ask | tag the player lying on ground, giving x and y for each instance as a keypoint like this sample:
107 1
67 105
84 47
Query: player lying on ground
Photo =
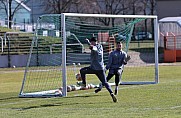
117 59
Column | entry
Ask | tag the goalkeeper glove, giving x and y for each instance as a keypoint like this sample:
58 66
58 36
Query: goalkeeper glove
127 58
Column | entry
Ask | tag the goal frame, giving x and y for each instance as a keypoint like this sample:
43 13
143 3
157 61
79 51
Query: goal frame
63 38
156 38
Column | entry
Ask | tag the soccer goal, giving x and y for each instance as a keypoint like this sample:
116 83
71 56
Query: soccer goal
60 49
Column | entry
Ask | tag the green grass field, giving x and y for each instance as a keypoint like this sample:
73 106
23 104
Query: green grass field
161 100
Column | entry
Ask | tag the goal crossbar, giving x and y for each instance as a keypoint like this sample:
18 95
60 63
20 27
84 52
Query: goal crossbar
109 15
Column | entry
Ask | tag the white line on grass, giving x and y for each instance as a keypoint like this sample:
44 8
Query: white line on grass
175 107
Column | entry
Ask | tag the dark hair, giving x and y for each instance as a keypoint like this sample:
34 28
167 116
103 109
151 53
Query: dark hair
93 39
118 42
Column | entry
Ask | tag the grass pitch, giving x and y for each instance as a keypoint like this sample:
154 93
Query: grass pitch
161 100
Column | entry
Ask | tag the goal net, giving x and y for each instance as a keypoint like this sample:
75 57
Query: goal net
60 49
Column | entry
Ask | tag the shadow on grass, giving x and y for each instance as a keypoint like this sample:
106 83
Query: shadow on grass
38 106
59 103
9 98
84 96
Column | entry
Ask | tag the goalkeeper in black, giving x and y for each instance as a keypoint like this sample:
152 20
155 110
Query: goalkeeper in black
117 59
96 66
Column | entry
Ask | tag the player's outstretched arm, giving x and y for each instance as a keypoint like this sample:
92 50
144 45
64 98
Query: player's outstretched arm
88 41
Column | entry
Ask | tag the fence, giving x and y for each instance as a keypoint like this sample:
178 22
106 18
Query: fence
172 46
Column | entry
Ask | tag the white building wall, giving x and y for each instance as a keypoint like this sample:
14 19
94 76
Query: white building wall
169 27
20 16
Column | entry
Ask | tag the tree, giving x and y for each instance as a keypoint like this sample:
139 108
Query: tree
109 7
100 7
96 6
145 10
83 6
10 10
57 6
114 7
149 9
152 9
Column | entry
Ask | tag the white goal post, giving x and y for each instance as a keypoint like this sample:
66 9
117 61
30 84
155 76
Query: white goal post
66 61
156 36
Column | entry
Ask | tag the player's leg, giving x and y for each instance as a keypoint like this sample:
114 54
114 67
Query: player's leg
102 77
109 76
117 79
119 72
118 75
83 72
101 86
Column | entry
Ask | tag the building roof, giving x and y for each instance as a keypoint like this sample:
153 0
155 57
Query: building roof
170 19
170 24
23 5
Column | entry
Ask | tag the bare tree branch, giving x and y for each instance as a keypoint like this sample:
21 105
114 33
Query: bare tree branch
57 6
11 10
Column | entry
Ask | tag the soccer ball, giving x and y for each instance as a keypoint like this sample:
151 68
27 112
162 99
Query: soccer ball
78 77
69 88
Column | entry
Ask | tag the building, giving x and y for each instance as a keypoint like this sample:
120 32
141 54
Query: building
37 9
168 8
21 16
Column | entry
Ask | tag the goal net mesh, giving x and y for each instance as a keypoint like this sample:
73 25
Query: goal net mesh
43 75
